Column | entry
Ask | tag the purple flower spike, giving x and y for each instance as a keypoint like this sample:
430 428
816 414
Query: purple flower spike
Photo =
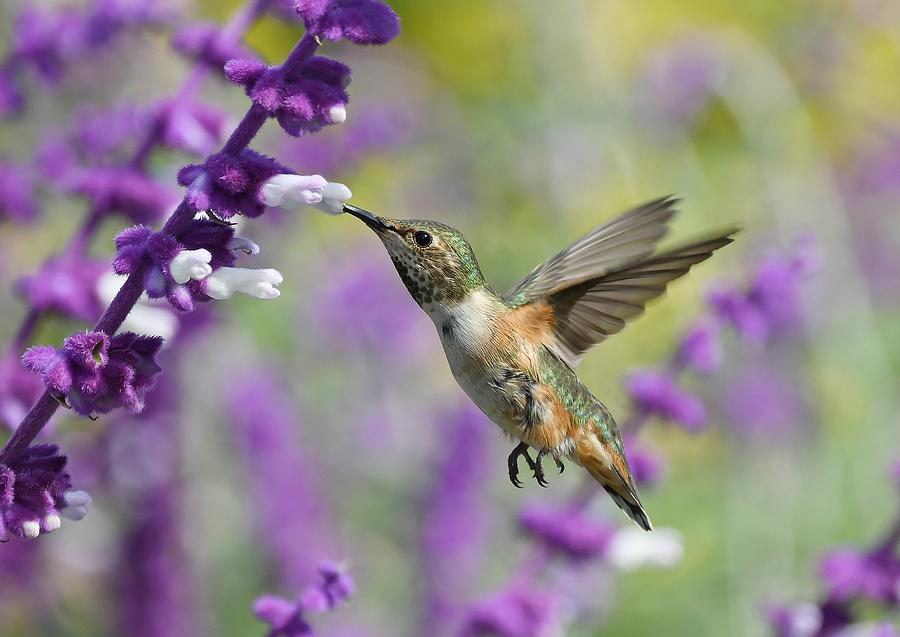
569 533
203 42
647 466
66 284
360 21
732 306
334 587
126 190
192 127
33 492
849 573
657 393
228 185
17 198
283 616
516 612
96 373
700 348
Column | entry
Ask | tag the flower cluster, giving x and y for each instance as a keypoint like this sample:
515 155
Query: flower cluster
314 98
47 43
66 284
125 190
35 491
95 373
519 611
570 533
360 21
289 618
202 41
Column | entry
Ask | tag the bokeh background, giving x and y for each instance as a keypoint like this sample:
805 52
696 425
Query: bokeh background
524 124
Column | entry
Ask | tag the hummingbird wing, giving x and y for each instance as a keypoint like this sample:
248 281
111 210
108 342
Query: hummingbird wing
630 237
586 313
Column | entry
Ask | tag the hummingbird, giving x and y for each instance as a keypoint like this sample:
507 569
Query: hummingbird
515 354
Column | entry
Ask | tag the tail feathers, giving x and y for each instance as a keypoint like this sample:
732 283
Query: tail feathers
622 491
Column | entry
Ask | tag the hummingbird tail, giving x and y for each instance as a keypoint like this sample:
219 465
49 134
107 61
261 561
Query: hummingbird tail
621 489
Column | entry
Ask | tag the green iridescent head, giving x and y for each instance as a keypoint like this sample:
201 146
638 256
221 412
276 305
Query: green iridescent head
435 261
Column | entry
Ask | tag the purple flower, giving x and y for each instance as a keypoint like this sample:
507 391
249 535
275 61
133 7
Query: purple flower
66 284
11 99
18 391
96 373
850 573
455 515
17 197
800 620
124 190
34 488
733 306
518 611
101 135
288 619
656 392
287 499
700 348
192 127
227 185
360 21
647 466
568 532
763 403
302 104
203 41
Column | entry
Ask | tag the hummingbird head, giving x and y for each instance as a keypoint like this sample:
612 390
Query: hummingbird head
435 261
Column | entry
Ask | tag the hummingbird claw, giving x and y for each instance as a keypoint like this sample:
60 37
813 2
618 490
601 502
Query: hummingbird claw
513 464
539 468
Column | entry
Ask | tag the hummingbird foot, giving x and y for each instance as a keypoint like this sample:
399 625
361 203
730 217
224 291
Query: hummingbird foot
513 464
539 467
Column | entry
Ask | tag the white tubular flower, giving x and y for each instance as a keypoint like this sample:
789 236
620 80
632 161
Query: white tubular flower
146 317
243 245
224 282
190 264
333 197
52 522
337 114
77 503
31 529
633 548
312 190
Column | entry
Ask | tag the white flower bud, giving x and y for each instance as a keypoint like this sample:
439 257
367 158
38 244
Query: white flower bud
337 114
146 317
293 190
77 503
52 522
224 282
31 529
242 245
190 264
333 197
632 548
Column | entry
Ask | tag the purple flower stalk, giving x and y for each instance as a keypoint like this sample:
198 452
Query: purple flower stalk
656 392
567 532
519 611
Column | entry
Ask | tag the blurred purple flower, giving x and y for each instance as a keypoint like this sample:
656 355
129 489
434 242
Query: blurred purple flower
34 491
203 42
360 21
66 284
519 611
656 392
800 620
700 348
732 305
101 135
288 619
285 489
19 389
570 533
18 202
192 127
455 513
127 191
228 185
302 104
762 403
11 99
850 573
647 466
96 373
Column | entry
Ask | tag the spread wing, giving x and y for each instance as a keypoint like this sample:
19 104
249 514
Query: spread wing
593 294
629 237
590 311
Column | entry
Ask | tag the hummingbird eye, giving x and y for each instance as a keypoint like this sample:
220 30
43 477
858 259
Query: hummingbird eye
422 239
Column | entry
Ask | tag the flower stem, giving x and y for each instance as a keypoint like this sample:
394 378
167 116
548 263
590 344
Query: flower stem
131 291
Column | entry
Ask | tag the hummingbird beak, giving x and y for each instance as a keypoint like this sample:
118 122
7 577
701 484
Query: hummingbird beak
376 223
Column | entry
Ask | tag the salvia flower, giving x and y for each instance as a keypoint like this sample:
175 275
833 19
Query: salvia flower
647 466
35 491
568 532
18 202
313 99
287 618
18 391
65 284
360 21
518 611
849 573
203 42
656 392
95 373
123 190
700 348
192 127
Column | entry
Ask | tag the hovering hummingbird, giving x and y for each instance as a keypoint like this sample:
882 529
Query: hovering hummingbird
514 354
